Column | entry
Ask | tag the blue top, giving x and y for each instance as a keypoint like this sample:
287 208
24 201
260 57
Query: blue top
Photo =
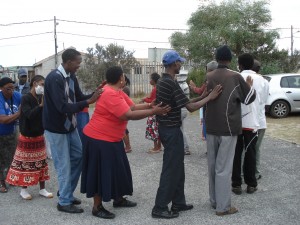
9 107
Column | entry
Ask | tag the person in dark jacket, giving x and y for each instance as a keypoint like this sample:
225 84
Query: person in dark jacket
62 100
22 86
223 124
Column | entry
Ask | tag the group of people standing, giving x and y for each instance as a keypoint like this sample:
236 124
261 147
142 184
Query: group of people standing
50 107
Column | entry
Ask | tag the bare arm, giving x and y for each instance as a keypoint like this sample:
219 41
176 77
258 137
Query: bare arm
143 113
4 119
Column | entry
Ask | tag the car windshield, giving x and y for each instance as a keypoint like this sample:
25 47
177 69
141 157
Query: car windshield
267 78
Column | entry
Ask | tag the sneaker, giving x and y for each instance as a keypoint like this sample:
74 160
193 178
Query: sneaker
101 212
232 210
25 195
251 190
45 193
237 190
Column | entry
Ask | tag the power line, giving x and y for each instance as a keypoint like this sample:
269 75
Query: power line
20 23
115 39
27 35
122 26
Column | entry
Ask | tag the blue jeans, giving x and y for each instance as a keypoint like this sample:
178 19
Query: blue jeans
66 152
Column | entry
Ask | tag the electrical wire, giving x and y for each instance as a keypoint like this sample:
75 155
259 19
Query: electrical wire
20 23
115 39
27 35
122 26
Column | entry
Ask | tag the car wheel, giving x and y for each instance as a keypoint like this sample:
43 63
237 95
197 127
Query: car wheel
280 109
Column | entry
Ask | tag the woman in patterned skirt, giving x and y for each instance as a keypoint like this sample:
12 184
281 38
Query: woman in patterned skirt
29 166
152 126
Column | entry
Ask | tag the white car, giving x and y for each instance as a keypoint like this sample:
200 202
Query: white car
284 94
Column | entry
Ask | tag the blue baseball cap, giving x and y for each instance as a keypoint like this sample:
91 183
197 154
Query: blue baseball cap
170 57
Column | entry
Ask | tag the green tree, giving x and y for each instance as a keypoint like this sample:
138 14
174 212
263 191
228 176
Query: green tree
97 60
238 23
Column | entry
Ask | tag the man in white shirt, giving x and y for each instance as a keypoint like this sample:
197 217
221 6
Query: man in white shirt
261 117
250 125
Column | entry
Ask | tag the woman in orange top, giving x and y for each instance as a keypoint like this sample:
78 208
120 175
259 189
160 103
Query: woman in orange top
106 172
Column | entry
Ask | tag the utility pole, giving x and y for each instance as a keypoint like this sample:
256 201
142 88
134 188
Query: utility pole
292 41
55 42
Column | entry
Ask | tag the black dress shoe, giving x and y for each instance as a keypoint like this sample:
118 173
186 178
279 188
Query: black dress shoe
69 208
124 203
166 214
76 201
101 212
179 208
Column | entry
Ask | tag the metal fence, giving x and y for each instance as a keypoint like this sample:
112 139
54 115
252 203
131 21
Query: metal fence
140 77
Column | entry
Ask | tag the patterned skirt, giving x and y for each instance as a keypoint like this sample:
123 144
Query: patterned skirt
29 165
152 129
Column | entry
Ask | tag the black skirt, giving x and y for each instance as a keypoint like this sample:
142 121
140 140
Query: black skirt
105 170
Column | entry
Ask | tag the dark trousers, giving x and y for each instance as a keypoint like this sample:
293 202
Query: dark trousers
247 140
171 185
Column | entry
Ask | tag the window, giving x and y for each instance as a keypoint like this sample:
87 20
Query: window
294 81
284 82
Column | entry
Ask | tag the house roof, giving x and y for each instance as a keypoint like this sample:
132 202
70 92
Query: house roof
52 56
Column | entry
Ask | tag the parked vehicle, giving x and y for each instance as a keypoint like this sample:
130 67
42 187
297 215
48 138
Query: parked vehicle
284 94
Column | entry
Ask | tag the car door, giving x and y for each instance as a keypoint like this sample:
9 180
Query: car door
291 87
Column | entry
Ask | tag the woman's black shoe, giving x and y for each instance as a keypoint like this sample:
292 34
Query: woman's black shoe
124 203
102 213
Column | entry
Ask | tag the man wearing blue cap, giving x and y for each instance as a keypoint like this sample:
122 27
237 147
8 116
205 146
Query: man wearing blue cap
171 185
23 86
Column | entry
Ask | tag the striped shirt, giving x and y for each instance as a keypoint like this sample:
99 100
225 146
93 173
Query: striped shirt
169 93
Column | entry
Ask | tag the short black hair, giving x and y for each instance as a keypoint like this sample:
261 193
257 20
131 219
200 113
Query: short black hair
223 53
69 54
155 77
246 60
113 74
256 66
36 78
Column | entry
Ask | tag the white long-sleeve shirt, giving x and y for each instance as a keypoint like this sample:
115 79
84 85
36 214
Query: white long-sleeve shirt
253 114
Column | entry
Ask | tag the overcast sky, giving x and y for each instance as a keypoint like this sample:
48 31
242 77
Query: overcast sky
25 51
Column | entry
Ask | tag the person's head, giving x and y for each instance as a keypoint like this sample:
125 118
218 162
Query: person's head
115 76
22 75
211 66
71 60
37 84
172 62
7 87
256 66
223 54
154 78
245 61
